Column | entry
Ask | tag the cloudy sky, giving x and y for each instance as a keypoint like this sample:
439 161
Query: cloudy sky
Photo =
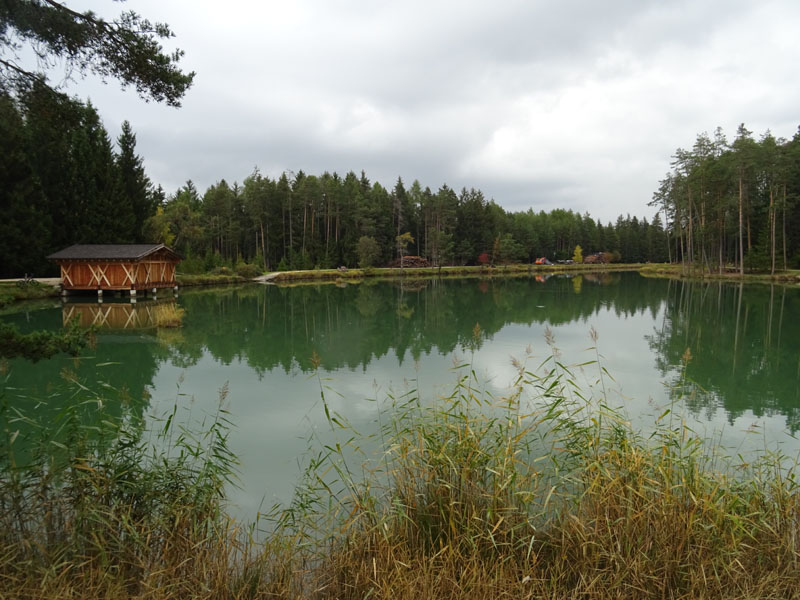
542 104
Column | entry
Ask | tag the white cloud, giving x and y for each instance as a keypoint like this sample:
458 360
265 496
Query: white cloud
575 104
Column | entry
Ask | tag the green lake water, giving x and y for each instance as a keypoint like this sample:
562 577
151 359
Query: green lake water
380 339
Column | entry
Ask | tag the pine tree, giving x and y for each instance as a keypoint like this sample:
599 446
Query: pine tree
95 186
136 189
25 223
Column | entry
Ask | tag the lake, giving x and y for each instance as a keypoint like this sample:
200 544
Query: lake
256 345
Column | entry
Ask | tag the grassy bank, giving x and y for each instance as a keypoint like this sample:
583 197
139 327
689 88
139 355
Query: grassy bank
29 290
352 275
677 271
191 280
544 493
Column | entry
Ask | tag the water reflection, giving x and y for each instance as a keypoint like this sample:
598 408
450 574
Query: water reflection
116 315
743 345
112 380
743 340
349 327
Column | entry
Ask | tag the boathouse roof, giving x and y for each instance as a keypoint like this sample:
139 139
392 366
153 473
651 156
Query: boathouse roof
133 252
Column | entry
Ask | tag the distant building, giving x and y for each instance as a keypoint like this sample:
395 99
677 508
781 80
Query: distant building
127 267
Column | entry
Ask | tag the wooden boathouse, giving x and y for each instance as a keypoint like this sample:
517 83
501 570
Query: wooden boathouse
110 267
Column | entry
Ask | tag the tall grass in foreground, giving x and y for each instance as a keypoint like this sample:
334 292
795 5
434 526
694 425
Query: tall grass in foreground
98 512
547 492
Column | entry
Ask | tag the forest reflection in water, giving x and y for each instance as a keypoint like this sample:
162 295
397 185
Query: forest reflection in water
374 338
743 347
744 340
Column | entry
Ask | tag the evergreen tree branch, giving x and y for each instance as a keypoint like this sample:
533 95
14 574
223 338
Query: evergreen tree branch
127 48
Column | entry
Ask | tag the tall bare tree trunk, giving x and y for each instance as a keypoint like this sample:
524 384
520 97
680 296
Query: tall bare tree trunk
784 228
772 223
749 233
327 221
741 239
265 253
690 239
283 228
305 212
263 247
721 222
666 233
291 241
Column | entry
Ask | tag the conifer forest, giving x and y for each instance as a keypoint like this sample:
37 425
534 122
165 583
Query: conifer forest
722 205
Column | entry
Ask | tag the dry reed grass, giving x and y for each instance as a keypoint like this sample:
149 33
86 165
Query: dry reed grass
168 315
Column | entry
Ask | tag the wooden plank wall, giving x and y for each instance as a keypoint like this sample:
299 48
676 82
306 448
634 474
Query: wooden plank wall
156 273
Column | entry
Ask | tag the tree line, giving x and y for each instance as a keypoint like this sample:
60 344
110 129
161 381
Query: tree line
734 205
303 221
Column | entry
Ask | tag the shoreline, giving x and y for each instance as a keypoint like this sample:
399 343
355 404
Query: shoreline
677 271
353 275
664 270
11 292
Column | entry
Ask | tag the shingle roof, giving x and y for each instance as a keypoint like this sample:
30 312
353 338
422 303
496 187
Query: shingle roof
108 252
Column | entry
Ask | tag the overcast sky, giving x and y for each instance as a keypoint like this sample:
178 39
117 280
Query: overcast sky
576 104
